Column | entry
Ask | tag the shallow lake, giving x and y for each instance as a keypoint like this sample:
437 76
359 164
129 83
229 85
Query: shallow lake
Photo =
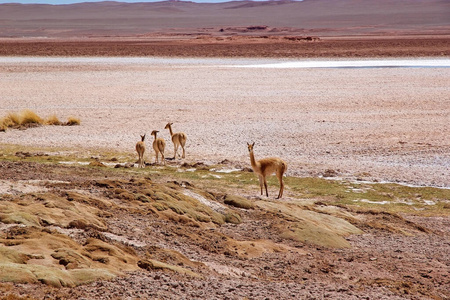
379 63
242 62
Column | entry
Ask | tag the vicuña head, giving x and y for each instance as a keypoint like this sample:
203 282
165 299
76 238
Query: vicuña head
158 145
267 166
140 149
178 139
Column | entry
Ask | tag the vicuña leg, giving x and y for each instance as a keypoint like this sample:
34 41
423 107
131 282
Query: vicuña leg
183 142
261 183
265 186
280 173
175 149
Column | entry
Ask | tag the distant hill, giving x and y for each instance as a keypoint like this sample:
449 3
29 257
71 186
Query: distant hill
321 17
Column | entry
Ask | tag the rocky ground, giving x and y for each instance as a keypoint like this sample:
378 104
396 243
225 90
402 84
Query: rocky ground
267 253
196 230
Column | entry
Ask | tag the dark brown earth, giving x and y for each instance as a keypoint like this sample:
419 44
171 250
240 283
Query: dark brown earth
246 46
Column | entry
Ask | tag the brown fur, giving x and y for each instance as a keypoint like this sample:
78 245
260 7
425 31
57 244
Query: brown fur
159 145
178 139
140 149
268 166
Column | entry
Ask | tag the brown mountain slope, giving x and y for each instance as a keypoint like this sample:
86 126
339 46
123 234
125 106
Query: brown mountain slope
322 17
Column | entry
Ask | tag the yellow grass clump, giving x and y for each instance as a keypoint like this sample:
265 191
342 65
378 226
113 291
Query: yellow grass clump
53 120
73 121
3 126
11 120
28 118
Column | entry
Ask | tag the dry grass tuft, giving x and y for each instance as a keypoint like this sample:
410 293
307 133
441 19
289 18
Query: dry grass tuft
73 121
11 120
3 126
28 118
53 120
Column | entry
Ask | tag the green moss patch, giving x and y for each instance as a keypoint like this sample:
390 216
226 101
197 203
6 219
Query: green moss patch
237 201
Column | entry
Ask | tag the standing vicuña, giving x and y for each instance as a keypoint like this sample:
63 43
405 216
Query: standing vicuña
140 148
267 166
178 139
158 145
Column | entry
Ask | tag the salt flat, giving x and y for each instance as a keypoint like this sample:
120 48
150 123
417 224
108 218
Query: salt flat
375 123
361 63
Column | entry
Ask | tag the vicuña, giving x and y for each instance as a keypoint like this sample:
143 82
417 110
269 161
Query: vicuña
158 145
267 166
140 149
178 139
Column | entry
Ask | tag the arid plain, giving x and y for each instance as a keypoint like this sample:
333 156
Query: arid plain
181 231
384 124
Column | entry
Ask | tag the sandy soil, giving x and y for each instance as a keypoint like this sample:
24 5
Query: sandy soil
375 124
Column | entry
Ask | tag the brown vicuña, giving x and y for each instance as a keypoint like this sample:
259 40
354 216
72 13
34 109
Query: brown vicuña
140 148
267 166
178 139
159 145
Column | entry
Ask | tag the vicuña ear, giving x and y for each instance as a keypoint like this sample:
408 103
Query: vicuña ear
253 144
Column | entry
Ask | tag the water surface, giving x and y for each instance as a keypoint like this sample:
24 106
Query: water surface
240 62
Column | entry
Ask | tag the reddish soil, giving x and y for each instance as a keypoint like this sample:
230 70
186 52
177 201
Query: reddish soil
243 46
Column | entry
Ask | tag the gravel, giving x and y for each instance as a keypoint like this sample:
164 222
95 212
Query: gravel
376 124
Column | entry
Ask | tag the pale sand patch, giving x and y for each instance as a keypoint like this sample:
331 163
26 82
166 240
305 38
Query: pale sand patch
389 124
21 187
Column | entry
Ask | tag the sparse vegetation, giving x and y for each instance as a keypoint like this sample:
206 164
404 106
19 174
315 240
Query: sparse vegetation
12 119
124 216
238 201
53 120
73 121
28 118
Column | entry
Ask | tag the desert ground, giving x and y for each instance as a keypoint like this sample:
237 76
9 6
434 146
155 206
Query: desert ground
197 228
365 210
377 124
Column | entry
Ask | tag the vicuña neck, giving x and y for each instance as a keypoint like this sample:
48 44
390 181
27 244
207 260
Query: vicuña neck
252 160
170 130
